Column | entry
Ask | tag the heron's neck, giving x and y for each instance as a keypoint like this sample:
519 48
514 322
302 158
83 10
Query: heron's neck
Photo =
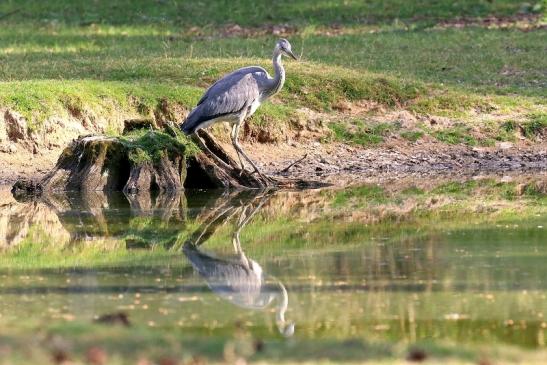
279 76
282 306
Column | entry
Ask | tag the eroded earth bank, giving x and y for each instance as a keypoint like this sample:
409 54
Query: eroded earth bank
306 149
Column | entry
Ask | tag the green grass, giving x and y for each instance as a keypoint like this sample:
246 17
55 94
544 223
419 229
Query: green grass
369 193
252 13
455 135
536 126
362 134
412 136
122 58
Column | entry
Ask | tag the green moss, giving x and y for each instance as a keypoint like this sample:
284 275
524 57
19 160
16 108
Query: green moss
412 136
138 156
150 146
455 135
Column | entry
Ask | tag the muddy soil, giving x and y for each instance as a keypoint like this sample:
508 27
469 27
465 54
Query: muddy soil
341 164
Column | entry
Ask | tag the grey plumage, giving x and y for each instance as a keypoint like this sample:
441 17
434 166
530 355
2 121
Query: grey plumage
228 97
236 97
232 280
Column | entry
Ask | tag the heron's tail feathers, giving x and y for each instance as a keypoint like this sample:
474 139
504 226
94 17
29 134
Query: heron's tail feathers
192 122
187 128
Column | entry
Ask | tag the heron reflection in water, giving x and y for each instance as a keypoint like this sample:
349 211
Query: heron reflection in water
238 279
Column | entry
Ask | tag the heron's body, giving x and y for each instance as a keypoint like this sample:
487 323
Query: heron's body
232 99
236 97
233 280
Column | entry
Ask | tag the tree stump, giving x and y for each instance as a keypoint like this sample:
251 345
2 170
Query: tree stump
145 161
98 163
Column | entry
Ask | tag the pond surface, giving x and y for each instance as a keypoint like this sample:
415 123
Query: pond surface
460 262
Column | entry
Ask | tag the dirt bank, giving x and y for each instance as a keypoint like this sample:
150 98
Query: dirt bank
340 164
25 153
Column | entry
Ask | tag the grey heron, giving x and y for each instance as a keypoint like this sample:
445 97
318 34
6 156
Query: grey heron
239 280
236 96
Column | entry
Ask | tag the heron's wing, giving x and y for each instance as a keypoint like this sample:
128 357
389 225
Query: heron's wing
229 95
229 79
230 279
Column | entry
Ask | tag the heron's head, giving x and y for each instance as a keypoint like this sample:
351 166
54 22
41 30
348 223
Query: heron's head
284 47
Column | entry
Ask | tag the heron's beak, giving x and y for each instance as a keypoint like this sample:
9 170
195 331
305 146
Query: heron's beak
292 55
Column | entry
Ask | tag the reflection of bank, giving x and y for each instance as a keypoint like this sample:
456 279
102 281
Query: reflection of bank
32 222
60 219
237 279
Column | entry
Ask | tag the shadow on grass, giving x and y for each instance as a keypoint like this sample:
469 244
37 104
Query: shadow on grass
494 61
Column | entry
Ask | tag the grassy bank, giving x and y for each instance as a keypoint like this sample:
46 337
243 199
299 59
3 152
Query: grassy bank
121 58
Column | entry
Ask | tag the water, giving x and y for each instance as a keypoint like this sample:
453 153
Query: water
444 262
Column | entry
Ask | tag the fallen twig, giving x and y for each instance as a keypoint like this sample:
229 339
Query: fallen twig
294 163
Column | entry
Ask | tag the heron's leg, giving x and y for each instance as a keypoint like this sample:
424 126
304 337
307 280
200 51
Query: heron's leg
237 246
240 150
233 136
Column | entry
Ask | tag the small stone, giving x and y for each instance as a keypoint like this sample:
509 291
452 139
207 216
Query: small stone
12 148
505 145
